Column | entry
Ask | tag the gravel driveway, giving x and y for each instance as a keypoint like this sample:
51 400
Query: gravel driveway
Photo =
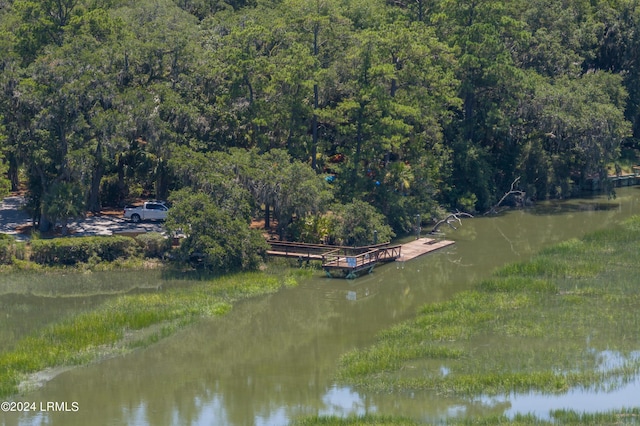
12 217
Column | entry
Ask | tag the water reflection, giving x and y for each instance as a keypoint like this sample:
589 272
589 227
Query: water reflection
615 394
579 400
343 401
610 360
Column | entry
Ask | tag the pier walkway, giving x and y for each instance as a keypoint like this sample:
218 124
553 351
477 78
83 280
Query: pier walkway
349 262
422 246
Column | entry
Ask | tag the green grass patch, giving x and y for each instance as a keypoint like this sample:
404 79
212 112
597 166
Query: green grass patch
368 420
625 417
117 324
540 325
558 417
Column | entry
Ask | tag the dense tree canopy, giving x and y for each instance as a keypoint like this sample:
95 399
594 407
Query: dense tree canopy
287 105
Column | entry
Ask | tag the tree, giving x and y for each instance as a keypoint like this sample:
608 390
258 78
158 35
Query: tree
359 224
580 124
5 183
215 174
398 90
321 32
301 192
155 62
42 23
486 38
56 133
63 201
214 237
240 51
290 187
617 52
561 35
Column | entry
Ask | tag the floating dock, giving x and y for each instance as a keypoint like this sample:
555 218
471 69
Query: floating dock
349 262
422 246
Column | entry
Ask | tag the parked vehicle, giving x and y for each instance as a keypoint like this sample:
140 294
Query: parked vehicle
150 210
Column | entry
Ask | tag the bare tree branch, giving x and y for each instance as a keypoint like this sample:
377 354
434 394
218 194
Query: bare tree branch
452 217
511 191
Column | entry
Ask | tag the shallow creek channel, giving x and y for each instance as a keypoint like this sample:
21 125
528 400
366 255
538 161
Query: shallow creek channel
273 358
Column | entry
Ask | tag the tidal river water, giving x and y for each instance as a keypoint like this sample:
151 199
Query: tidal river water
273 358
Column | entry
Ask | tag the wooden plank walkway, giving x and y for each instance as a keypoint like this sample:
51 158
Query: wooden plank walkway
307 251
422 246
299 250
351 261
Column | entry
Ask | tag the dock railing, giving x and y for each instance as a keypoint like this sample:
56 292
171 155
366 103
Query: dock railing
345 259
348 258
292 249
389 254
316 251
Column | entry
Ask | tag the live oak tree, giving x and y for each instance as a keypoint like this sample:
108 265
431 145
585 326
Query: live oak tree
616 51
41 23
580 126
405 105
359 224
63 98
56 99
289 187
215 238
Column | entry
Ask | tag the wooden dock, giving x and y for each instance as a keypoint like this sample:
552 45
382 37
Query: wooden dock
302 251
422 246
349 262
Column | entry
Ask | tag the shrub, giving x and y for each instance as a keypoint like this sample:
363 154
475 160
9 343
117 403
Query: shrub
215 240
313 229
154 244
6 251
356 222
110 192
10 250
73 250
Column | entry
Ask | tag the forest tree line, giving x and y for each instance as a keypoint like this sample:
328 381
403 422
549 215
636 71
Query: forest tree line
376 111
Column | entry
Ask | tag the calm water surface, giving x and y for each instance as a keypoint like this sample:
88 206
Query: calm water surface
273 358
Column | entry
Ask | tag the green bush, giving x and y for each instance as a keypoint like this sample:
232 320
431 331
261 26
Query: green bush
154 244
217 240
6 250
10 250
356 222
73 250
110 192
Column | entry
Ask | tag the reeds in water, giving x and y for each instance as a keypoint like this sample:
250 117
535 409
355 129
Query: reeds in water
539 325
112 327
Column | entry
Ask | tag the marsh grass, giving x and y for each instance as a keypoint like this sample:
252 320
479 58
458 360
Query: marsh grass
367 420
115 325
629 416
540 325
